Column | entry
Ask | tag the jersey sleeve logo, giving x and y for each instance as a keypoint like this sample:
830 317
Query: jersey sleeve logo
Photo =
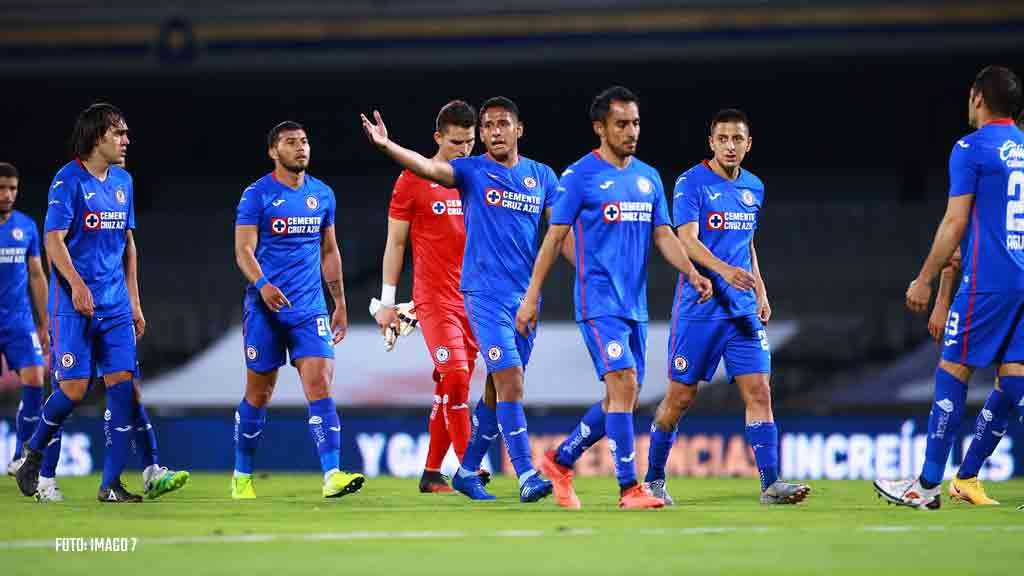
493 197
18 234
278 226
610 212
715 220
529 182
92 221
312 203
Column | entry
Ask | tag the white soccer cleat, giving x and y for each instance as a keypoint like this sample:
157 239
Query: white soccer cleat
12 468
909 493
48 491
660 490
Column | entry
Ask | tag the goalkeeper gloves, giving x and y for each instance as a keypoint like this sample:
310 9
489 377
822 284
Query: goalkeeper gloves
407 322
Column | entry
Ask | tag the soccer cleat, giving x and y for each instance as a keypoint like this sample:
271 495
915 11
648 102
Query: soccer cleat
785 493
27 474
117 494
1020 508
49 493
484 476
164 481
341 483
971 491
660 490
561 481
433 482
242 488
472 486
534 488
12 468
640 497
909 493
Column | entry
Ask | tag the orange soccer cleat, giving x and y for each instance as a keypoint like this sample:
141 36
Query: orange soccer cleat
640 496
561 479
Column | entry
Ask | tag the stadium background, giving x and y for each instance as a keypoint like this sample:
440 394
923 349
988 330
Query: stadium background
854 108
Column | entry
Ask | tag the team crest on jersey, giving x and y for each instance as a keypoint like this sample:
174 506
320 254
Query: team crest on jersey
715 220
529 182
680 363
614 350
494 353
643 185
18 234
312 203
67 360
441 354
278 226
92 221
251 353
493 196
748 197
121 197
610 212
438 208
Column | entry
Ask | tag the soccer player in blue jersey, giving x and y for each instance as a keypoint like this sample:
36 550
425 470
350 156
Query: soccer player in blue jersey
716 206
985 216
503 195
615 203
23 340
95 307
284 244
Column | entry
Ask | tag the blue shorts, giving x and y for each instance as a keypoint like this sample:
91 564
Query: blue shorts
19 344
268 335
616 343
85 346
984 329
493 321
696 346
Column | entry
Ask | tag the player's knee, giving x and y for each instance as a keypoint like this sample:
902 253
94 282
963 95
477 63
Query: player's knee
32 376
116 377
1011 369
679 399
958 371
758 393
75 389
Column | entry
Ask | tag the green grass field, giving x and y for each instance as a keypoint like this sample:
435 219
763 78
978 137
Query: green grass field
716 527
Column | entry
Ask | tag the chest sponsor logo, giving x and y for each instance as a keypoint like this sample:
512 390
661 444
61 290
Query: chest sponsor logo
513 200
115 220
644 185
731 221
449 207
1012 153
122 198
18 234
295 225
13 255
312 203
529 182
627 211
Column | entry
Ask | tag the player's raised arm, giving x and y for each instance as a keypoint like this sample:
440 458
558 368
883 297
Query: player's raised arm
764 309
130 261
674 252
434 170
246 238
330 267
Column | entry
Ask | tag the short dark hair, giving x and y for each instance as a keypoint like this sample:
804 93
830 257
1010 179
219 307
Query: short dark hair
286 126
8 170
602 103
499 102
726 116
90 126
456 113
1000 88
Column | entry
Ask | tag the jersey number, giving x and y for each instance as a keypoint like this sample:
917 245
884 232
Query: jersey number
321 326
1015 207
953 324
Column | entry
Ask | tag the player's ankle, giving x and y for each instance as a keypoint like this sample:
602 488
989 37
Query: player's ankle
623 488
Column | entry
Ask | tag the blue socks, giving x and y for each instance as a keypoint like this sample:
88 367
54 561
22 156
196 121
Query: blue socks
988 431
485 430
763 438
658 451
325 427
118 426
943 424
586 434
28 415
512 424
51 456
56 410
622 445
249 423
145 438
1013 388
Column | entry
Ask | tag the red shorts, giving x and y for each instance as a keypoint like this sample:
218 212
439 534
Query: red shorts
448 336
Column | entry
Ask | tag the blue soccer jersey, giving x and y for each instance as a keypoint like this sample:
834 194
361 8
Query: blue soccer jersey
97 216
19 241
989 163
289 223
501 208
613 213
726 213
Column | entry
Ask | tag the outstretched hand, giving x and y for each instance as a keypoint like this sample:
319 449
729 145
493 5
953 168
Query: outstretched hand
376 131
